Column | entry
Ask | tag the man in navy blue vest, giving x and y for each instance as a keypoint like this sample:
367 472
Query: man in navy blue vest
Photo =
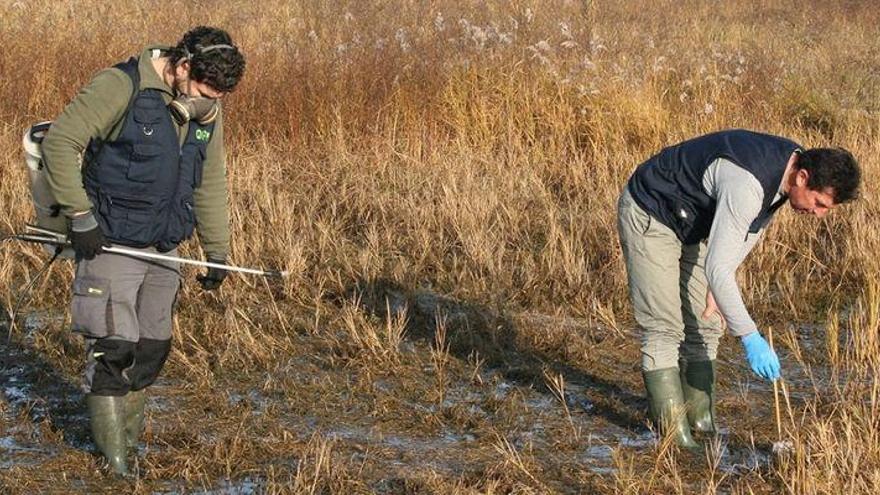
687 219
149 135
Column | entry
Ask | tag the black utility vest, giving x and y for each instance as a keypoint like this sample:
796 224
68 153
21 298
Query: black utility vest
669 186
142 183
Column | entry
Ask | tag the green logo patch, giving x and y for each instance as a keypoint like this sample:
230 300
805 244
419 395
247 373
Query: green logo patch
202 135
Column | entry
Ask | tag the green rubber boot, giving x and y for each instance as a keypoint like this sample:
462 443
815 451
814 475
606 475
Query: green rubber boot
667 407
698 386
108 429
134 417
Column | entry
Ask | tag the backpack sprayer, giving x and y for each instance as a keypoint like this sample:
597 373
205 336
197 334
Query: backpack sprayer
51 229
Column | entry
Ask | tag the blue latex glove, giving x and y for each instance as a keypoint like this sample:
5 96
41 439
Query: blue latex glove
762 359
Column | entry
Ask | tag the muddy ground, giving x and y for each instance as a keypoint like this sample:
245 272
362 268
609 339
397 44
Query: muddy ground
329 417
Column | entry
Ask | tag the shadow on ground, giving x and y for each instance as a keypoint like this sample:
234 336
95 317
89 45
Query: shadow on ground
475 329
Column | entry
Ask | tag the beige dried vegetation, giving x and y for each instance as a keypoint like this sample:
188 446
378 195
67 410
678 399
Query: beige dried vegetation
440 180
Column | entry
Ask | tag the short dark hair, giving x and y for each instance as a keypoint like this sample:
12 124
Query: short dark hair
220 68
833 168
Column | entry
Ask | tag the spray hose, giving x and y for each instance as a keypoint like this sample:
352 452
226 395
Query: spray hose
50 237
22 296
39 235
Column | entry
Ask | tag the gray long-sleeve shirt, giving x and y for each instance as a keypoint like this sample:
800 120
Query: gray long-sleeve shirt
739 198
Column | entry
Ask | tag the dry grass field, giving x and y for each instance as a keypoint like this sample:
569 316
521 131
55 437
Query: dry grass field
440 179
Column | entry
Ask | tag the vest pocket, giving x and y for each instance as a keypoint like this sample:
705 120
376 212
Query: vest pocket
147 110
91 308
133 220
143 165
140 227
182 222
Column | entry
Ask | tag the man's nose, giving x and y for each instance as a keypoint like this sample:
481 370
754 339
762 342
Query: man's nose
820 212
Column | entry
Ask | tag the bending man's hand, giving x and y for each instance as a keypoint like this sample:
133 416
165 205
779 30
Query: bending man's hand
712 308
214 277
762 359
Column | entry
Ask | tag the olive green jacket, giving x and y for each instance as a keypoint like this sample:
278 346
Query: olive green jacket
97 112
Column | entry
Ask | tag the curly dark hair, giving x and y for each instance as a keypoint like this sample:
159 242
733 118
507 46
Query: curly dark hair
833 168
219 67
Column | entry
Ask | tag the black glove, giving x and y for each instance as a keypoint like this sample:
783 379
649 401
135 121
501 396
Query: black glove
86 237
214 277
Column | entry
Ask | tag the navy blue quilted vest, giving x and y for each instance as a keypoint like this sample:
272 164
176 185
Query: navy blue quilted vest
142 183
669 185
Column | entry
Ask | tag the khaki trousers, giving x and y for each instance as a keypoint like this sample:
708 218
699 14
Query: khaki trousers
667 288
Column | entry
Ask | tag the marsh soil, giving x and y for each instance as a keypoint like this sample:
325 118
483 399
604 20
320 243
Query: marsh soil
487 410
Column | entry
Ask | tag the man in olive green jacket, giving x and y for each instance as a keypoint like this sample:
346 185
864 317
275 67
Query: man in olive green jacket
137 159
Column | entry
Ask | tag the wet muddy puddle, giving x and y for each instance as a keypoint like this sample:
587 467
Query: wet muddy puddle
29 387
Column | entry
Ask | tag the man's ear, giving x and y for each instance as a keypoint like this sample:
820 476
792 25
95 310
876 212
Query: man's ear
802 177
182 68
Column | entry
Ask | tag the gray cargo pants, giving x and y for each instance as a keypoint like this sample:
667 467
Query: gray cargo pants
123 307
667 287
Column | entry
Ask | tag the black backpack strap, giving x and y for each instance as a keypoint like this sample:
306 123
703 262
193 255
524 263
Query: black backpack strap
130 67
38 131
